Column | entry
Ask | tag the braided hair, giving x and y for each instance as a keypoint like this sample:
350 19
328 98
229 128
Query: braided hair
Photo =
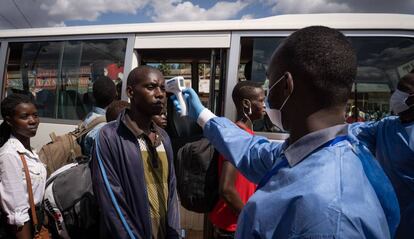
8 106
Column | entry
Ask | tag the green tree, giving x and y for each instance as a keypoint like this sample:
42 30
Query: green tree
164 68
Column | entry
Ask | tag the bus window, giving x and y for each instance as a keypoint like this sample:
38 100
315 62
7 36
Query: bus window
60 74
254 57
195 66
186 70
382 61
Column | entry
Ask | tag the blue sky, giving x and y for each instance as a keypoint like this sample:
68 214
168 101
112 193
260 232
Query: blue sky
254 9
48 13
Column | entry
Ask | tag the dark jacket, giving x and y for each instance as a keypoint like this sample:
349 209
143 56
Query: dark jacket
123 164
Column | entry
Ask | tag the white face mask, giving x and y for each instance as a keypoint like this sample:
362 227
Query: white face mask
275 115
397 101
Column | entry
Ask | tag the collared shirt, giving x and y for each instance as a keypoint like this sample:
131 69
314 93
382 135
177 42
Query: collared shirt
155 164
91 135
13 187
133 127
322 193
297 151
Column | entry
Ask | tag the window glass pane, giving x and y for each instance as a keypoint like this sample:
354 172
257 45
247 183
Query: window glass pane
255 54
60 74
195 66
170 70
33 69
382 61
254 59
262 52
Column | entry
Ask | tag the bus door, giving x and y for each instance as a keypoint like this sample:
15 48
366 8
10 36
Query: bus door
201 59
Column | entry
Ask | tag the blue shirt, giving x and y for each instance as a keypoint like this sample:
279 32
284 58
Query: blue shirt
322 193
389 141
89 139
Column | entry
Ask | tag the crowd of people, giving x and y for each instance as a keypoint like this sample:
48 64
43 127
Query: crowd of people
329 179
357 115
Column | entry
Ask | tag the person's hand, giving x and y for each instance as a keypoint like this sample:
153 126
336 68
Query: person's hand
194 105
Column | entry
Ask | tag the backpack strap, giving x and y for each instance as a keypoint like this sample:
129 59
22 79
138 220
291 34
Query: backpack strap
82 129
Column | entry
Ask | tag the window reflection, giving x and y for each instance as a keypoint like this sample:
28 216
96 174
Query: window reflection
60 74
254 58
382 61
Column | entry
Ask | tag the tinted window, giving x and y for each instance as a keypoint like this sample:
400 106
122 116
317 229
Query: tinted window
254 58
60 74
382 61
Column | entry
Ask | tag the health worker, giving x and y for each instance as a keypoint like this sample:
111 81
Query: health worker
391 140
321 182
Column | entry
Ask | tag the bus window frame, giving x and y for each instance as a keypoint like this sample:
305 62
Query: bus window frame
3 58
4 52
183 40
234 61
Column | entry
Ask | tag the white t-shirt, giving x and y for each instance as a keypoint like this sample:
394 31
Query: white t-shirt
13 188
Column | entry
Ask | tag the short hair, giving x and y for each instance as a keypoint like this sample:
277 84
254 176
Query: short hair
115 108
140 73
244 90
326 60
104 91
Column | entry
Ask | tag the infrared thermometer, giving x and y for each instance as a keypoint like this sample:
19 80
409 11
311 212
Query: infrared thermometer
176 86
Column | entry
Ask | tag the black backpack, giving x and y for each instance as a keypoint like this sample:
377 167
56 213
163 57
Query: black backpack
196 170
70 202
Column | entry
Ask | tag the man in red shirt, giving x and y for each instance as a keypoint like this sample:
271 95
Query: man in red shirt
355 116
234 188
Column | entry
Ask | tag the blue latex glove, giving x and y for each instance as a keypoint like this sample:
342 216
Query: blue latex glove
194 105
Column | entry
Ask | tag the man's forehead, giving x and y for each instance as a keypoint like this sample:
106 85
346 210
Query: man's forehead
258 93
153 77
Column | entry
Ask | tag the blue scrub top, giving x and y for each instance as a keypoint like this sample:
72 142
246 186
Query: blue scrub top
389 142
322 193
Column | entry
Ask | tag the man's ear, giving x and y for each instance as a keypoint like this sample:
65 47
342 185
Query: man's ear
130 92
246 103
289 83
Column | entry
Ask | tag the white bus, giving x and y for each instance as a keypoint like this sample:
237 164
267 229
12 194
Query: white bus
59 65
